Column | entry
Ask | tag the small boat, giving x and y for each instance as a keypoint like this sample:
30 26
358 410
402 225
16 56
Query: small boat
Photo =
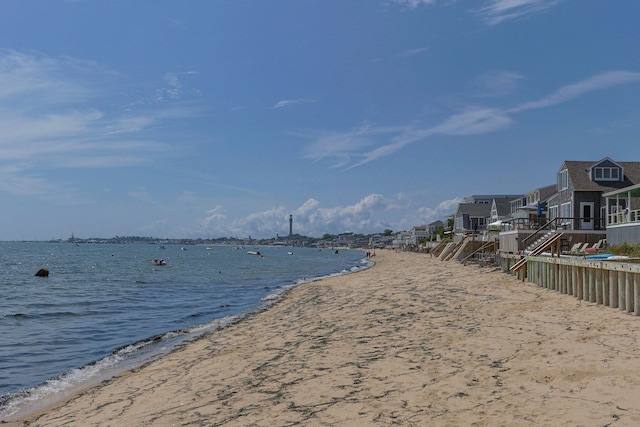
254 253
183 248
159 262
289 253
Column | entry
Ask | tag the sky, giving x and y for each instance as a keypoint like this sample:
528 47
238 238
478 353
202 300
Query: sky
220 118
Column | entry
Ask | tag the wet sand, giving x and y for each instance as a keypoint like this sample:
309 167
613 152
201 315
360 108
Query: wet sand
413 341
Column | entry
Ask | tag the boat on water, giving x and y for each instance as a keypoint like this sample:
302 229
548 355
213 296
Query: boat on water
159 261
254 253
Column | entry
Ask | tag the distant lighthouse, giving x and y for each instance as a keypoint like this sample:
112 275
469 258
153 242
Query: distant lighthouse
290 225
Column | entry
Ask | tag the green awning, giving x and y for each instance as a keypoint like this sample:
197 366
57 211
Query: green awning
633 191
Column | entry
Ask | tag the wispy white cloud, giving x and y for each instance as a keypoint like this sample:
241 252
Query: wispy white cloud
444 208
175 87
573 91
289 102
475 121
368 143
413 52
497 11
496 84
53 114
412 4
492 12
19 180
343 147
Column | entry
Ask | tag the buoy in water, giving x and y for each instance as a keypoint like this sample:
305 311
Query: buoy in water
42 272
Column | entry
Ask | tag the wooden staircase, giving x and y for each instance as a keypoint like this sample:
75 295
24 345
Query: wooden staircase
540 240
487 245
544 245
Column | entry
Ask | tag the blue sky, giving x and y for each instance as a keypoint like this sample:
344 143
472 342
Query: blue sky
220 118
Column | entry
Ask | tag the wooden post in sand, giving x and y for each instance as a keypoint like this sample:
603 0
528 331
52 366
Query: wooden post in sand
585 283
622 292
613 289
592 285
629 289
580 286
604 276
597 277
636 295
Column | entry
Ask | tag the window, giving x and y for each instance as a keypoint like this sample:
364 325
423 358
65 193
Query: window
563 180
565 210
553 212
606 174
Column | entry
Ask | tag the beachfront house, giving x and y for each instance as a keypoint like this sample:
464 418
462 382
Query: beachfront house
487 199
435 227
579 203
381 240
623 218
478 211
401 240
500 209
418 232
345 240
469 218
585 196
530 211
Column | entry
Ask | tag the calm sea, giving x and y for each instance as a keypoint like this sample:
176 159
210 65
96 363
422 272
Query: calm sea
105 307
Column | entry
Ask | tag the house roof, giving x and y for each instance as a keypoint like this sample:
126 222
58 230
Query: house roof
503 206
547 191
477 197
474 209
579 173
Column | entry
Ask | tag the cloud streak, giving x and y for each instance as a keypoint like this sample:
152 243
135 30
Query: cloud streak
495 12
352 149
492 12
290 102
573 91
49 118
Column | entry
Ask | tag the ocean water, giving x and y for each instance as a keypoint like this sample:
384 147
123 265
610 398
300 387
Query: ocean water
107 307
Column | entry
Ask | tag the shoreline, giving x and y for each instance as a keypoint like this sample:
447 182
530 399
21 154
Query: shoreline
58 388
412 340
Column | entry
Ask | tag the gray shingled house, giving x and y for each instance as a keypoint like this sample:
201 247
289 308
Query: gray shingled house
579 203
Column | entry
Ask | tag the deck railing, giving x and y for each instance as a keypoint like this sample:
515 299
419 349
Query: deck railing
623 217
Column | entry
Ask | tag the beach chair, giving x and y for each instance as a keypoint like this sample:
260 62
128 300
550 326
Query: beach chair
583 248
596 246
575 247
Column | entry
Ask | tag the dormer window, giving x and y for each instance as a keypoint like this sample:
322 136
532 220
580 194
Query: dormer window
563 180
606 174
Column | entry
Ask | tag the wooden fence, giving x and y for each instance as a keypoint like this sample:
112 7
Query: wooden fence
614 284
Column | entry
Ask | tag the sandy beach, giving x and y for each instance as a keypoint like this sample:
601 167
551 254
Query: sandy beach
413 341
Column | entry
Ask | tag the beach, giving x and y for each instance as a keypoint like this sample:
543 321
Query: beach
412 341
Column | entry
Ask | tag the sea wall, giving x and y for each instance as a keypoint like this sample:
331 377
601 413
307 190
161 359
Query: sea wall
614 284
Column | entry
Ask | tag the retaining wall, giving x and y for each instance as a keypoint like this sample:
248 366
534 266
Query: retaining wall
614 284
